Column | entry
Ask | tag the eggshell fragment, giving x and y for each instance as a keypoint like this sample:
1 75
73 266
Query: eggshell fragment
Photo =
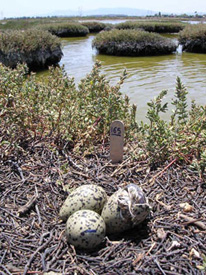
186 207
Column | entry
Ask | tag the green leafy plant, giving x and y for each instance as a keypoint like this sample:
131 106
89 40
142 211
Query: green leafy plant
181 139
180 103
158 135
57 110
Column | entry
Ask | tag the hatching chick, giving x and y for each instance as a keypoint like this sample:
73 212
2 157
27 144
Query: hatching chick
135 193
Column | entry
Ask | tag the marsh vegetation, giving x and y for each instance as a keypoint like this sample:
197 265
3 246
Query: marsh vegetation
193 38
132 43
66 29
152 26
95 27
37 48
130 38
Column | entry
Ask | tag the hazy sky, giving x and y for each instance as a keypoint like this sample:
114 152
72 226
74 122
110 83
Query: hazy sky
15 8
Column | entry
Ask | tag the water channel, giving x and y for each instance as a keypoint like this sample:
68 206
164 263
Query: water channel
147 76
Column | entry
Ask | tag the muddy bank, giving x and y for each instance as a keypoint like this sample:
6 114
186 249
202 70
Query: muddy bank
38 59
194 46
136 49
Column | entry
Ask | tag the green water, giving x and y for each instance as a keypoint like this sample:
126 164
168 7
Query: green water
147 76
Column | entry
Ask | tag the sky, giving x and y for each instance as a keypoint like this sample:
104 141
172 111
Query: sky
17 8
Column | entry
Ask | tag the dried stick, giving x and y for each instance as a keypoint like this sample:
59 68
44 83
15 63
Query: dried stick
36 252
25 208
161 172
194 221
120 166
18 169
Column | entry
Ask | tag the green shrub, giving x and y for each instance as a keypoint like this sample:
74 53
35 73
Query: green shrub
57 112
66 29
182 139
159 27
193 38
132 43
57 109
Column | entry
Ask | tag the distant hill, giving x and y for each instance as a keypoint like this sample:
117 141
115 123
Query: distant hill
105 11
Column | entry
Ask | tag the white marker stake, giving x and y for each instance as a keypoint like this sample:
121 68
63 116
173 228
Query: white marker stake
116 141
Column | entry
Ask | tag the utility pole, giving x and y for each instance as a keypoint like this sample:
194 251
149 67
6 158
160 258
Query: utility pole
80 11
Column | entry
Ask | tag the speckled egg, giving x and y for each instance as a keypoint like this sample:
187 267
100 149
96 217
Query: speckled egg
85 229
125 208
89 196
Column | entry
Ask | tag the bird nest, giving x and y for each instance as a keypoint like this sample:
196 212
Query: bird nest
34 186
